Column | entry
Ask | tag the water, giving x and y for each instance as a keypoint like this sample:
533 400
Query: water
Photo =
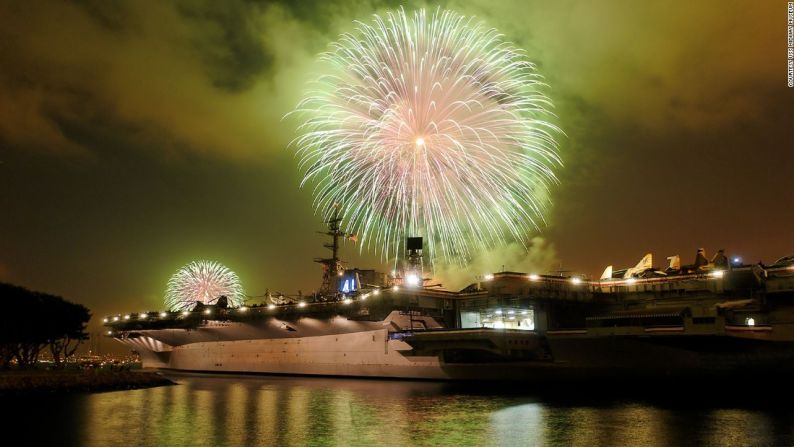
251 410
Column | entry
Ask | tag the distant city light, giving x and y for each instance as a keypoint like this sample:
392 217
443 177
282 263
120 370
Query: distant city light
207 311
185 312
143 316
718 274
534 277
104 320
110 332
488 276
115 318
376 292
576 280
302 304
751 321
243 309
271 306
395 288
347 301
163 314
126 317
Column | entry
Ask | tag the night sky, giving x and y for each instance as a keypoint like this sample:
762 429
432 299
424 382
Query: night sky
138 136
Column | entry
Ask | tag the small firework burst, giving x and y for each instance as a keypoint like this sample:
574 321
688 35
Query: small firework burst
203 282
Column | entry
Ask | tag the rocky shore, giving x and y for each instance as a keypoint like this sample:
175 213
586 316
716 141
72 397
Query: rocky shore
57 381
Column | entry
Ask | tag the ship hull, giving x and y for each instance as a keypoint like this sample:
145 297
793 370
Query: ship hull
358 354
373 353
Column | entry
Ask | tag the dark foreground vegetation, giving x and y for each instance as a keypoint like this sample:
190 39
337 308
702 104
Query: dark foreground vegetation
34 322
31 322
74 380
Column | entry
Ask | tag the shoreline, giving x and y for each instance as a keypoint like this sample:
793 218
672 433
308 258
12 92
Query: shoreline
77 381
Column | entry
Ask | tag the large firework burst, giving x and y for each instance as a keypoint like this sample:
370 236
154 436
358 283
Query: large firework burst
429 125
205 282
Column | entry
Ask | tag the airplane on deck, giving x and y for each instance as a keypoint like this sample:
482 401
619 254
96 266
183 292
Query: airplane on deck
645 269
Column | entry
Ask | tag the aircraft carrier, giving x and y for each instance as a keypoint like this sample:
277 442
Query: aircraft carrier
716 317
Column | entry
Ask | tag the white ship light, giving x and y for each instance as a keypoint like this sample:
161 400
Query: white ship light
718 274
163 314
376 292
347 301
498 312
364 297
534 277
208 311
576 281
243 309
751 321
340 273
115 318
105 320
185 313
110 332
631 281
126 317
395 288
271 306
524 312
142 316
302 304
511 312
488 276
412 280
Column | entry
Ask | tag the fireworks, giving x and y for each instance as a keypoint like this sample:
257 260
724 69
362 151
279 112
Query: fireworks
429 125
205 282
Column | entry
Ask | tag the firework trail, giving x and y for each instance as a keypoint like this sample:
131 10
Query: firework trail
205 282
429 125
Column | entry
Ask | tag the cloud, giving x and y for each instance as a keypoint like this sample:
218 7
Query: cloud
216 77
201 77
648 63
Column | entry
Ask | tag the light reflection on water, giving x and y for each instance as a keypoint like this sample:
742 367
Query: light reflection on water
243 411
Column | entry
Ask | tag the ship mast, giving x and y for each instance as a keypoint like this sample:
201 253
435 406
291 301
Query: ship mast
332 267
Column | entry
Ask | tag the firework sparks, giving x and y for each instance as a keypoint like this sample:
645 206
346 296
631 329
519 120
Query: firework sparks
205 282
431 125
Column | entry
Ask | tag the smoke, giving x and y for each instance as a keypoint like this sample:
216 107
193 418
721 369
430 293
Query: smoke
539 256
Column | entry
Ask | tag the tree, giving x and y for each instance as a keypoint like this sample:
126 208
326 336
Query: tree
31 321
